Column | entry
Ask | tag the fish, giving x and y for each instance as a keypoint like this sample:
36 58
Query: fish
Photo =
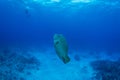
61 47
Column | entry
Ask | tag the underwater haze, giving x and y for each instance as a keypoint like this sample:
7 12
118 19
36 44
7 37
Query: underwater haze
90 27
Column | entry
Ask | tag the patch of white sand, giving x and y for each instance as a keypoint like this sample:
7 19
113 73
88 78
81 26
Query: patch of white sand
52 68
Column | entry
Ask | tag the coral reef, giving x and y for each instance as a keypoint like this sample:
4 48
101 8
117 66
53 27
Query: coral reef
12 65
106 70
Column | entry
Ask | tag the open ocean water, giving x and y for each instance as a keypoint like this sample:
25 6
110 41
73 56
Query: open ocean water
91 29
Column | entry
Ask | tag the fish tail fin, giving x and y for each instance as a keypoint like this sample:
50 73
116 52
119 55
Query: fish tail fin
66 59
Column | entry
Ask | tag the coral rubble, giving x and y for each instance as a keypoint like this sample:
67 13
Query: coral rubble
106 70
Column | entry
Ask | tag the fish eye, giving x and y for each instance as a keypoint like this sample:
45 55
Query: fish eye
57 42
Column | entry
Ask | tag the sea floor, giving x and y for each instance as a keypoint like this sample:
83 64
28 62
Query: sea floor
32 64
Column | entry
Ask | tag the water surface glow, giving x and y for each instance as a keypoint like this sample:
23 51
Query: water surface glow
71 4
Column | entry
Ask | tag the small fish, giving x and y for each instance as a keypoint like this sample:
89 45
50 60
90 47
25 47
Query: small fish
27 11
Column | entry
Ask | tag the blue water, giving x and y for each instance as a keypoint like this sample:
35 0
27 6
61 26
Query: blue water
95 25
87 25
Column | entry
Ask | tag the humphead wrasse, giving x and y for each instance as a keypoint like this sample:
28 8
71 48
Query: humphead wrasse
61 47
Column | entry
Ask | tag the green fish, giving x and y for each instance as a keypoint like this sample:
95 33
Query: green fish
61 47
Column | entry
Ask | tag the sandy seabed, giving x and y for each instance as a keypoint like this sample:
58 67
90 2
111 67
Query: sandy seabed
28 64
